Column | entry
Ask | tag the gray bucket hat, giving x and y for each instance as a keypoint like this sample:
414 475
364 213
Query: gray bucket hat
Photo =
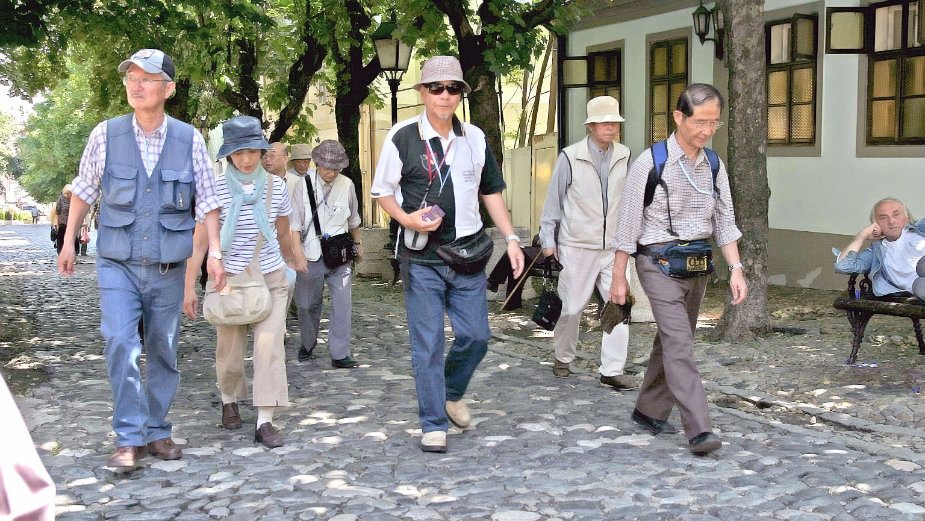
442 68
239 133
152 61
330 154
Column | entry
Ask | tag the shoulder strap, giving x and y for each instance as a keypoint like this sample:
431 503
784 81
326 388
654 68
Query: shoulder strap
568 184
311 201
659 152
714 165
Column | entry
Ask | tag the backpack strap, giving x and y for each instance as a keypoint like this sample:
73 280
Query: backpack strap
714 166
659 152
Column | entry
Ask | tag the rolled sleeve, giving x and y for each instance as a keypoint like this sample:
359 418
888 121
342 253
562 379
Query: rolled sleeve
206 198
854 262
725 230
86 185
388 171
630 211
354 220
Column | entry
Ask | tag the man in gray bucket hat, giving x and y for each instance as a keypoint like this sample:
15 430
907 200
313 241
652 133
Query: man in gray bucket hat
147 170
430 161
335 210
578 227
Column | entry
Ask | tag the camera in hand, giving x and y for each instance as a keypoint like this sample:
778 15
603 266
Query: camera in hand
435 213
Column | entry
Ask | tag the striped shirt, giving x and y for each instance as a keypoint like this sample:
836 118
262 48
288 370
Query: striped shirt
696 212
87 183
245 235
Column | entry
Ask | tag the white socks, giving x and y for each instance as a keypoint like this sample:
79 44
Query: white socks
264 415
228 398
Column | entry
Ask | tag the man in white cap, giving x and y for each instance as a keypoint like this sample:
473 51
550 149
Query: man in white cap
147 170
300 159
436 160
578 227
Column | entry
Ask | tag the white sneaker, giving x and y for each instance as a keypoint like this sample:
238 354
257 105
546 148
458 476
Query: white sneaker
458 413
434 441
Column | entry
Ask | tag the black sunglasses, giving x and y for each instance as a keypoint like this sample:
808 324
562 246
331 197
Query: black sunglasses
437 88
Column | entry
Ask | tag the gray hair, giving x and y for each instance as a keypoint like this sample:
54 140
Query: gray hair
873 211
697 94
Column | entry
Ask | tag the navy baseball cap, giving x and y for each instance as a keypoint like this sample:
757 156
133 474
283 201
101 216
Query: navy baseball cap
152 61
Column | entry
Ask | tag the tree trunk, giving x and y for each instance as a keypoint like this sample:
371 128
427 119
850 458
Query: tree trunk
539 89
347 116
524 100
747 164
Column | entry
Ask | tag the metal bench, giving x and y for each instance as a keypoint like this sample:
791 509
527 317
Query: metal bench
861 304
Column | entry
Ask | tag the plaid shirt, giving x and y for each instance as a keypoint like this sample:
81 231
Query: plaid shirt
695 214
87 183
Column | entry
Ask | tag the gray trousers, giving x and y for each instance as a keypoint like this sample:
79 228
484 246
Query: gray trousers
309 297
672 376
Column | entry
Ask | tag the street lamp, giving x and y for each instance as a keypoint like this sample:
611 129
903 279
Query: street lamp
702 17
394 56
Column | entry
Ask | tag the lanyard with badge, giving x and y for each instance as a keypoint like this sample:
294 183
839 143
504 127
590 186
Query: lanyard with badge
438 172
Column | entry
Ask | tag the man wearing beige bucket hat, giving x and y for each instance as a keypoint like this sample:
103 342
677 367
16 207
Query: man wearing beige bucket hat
581 204
300 159
432 172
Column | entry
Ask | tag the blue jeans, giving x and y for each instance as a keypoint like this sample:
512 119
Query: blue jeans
129 292
430 292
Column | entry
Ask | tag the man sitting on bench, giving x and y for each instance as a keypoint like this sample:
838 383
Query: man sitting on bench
894 259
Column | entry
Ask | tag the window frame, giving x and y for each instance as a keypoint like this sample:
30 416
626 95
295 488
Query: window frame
899 55
795 62
667 81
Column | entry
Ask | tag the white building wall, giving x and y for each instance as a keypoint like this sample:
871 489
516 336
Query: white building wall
828 194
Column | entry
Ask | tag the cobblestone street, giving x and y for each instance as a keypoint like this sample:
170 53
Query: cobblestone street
540 448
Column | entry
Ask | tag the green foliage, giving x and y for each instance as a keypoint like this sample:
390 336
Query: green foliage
9 130
57 132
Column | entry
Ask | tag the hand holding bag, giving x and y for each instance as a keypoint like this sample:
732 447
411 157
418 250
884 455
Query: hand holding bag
468 255
336 250
54 234
84 235
549 308
245 299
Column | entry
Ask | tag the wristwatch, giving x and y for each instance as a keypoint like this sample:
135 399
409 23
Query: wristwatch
512 237
215 255
737 265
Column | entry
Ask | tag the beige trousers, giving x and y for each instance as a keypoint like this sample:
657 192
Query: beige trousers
271 388
583 269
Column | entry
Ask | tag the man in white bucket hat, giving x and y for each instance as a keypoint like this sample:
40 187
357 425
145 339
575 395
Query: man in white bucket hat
429 161
581 204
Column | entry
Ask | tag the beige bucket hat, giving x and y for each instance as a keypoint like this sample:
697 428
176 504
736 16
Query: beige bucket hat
603 109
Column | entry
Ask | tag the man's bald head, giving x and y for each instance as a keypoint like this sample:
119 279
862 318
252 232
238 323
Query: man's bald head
275 159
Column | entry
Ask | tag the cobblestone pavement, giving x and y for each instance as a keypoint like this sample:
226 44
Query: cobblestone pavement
539 447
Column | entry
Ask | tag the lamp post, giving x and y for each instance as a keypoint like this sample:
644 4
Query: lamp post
394 56
702 18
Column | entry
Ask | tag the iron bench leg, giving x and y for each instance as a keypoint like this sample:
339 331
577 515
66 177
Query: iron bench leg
858 320
918 335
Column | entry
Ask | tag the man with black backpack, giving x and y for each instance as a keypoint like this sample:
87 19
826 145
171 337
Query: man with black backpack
578 227
688 202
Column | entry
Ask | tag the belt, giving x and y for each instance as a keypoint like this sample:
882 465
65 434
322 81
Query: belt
165 266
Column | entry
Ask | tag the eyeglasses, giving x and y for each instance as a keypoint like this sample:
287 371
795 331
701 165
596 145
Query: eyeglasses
712 125
144 82
437 88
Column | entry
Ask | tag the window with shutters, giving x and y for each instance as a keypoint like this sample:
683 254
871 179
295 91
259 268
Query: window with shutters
791 80
668 77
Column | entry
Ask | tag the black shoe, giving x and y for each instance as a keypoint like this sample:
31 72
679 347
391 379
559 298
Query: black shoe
652 425
306 354
705 443
345 363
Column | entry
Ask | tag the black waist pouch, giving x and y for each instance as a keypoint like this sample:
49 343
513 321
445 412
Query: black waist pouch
469 254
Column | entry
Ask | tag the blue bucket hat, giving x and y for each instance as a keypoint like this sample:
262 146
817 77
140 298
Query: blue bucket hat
239 133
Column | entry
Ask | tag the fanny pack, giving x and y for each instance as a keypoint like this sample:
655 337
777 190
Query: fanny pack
682 260
467 255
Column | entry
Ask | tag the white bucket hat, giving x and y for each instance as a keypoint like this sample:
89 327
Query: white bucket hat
603 109
442 68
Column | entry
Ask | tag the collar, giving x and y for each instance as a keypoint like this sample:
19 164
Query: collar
675 152
427 132
158 132
619 151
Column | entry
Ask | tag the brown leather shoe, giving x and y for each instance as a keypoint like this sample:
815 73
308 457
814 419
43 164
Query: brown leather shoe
620 382
561 369
165 449
230 417
269 436
126 458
